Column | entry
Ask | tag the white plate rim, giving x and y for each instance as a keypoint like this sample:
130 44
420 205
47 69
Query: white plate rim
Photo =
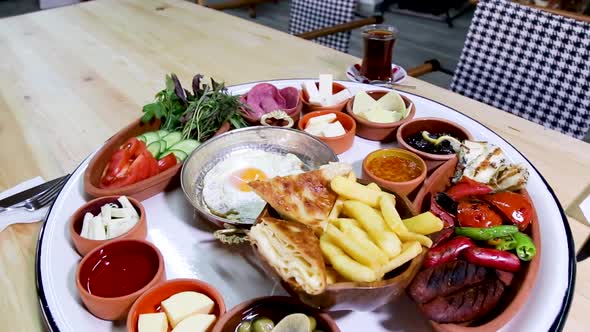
558 322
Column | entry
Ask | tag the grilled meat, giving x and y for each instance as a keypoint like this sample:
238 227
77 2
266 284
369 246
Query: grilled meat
446 279
467 305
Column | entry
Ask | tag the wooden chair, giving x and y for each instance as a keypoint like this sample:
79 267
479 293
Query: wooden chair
231 4
327 22
529 62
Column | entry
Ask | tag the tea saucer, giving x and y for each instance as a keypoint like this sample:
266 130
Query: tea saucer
398 73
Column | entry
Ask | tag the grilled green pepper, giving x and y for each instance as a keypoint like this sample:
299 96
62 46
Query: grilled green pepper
485 234
525 248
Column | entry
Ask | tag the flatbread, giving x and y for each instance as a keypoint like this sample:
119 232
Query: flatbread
305 197
293 251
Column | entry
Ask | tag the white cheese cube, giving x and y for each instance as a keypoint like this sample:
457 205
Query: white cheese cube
127 204
312 92
333 129
362 103
97 231
195 323
117 227
86 225
341 96
315 130
322 119
181 305
392 101
156 322
326 81
381 116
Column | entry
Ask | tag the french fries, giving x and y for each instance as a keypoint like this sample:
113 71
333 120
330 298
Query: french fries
346 266
366 237
425 223
350 189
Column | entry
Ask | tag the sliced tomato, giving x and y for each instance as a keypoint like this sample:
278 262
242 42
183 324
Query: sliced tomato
476 213
130 164
167 162
515 207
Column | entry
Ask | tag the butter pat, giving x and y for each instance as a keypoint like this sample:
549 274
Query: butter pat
195 323
152 323
181 305
333 129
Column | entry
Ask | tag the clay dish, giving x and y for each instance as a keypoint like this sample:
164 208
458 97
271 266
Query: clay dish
142 189
307 107
338 144
274 308
402 188
433 126
147 262
84 245
374 131
150 301
359 296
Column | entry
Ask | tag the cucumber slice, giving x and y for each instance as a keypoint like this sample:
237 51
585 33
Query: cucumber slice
141 138
180 155
162 132
154 148
163 146
151 137
187 146
172 138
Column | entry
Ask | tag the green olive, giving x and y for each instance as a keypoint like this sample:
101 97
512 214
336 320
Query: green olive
312 323
245 326
262 324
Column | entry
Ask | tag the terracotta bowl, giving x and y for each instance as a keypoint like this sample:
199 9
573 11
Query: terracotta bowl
84 245
274 308
117 307
338 144
513 299
433 126
437 181
150 301
402 188
294 113
140 190
358 296
307 107
384 132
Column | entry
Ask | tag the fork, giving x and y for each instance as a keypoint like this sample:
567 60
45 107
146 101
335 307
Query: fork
41 199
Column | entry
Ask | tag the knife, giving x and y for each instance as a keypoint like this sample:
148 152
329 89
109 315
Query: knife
23 195
584 251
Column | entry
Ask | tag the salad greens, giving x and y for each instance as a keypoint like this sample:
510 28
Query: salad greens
197 115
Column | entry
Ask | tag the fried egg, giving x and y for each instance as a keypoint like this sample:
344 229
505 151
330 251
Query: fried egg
225 187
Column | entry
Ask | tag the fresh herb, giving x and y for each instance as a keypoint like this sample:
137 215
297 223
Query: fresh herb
197 115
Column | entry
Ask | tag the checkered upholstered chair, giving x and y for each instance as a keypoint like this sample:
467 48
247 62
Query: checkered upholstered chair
528 62
326 22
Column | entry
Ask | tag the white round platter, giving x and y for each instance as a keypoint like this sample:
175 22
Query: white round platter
190 251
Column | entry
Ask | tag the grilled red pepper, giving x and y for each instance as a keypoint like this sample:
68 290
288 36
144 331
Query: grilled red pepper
475 213
447 218
493 258
468 187
447 252
515 207
441 236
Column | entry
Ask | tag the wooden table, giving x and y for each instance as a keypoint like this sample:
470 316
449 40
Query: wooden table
72 77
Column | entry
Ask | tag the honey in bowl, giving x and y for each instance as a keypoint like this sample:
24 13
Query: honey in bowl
394 168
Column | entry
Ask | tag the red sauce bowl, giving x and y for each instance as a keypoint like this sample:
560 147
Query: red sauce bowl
111 277
150 301
84 245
